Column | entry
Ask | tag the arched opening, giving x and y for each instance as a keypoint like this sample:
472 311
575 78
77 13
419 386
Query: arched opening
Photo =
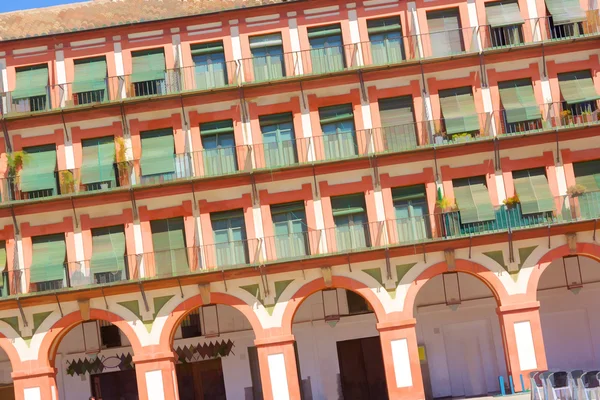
216 358
568 292
338 348
458 332
7 391
94 358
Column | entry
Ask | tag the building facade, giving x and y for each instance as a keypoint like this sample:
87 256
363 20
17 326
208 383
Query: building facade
367 200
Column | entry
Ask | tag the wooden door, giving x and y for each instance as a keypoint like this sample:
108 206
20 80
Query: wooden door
201 380
362 373
121 385
7 392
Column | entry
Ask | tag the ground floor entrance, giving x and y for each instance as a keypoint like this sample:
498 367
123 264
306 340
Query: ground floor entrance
7 392
362 374
201 380
121 385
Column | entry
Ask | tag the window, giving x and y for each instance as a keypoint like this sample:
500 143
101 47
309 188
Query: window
521 111
190 325
4 283
385 35
98 167
350 218
504 18
90 81
38 177
47 270
326 49
579 94
445 34
210 68
473 200
149 72
410 205
531 185
108 263
158 156
339 138
267 57
230 238
458 110
566 18
289 224
356 303
278 140
170 251
31 92
110 335
219 153
398 123
587 174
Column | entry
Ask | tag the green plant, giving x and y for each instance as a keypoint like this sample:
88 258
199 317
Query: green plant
576 190
446 204
511 202
461 137
121 160
67 182
16 161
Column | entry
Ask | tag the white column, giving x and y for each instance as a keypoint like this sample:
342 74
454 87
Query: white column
139 247
32 393
236 48
258 230
307 144
561 179
525 347
119 81
534 22
320 224
295 43
278 375
177 52
154 385
401 359
488 119
21 260
412 10
4 76
79 252
499 178
354 36
61 76
472 10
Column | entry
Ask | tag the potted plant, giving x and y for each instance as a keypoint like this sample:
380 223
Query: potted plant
67 182
576 190
16 161
566 117
461 137
586 116
121 160
511 202
445 204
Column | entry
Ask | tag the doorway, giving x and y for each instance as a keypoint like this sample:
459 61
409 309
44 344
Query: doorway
362 373
121 385
201 380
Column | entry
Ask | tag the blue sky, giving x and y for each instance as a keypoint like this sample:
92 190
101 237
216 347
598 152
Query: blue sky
6 5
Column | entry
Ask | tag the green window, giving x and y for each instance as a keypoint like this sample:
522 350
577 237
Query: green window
531 185
4 289
577 87
458 109
218 142
326 49
504 18
32 81
289 224
445 35
385 35
565 11
108 254
398 122
350 218
158 152
38 173
587 174
278 140
90 80
97 169
148 65
48 260
210 68
337 124
473 199
230 238
518 101
170 252
267 57
410 205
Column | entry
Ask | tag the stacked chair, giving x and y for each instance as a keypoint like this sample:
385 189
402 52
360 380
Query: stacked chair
565 385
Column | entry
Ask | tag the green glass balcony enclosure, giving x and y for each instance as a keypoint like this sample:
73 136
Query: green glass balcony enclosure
398 123
279 142
385 36
326 49
229 232
339 136
210 68
267 57
289 224
412 219
351 224
219 154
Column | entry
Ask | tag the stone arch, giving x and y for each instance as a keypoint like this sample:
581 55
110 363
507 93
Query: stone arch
11 352
480 272
338 282
50 342
589 250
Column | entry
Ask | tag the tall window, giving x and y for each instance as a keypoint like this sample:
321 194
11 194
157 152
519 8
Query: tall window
326 49
289 223
108 263
579 94
278 140
445 34
267 57
47 270
566 19
219 153
587 174
458 109
385 35
351 225
149 72
230 238
339 137
398 123
4 281
98 167
170 252
410 205
473 200
38 177
31 92
210 68
158 155
505 21
531 185
521 111
90 81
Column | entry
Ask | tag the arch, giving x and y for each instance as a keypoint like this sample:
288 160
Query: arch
185 307
11 352
50 342
338 282
589 250
480 272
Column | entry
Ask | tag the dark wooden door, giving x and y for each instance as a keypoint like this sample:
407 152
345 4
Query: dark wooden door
362 373
121 385
201 380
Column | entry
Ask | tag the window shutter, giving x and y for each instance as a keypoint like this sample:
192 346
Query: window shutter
324 31
458 109
284 208
148 65
273 39
38 171
501 14
473 199
577 87
275 119
48 260
533 190
207 48
333 114
158 152
168 241
565 11
519 101
445 34
98 160
108 249
346 205
382 25
587 173
31 81
217 127
405 193
90 75
396 111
